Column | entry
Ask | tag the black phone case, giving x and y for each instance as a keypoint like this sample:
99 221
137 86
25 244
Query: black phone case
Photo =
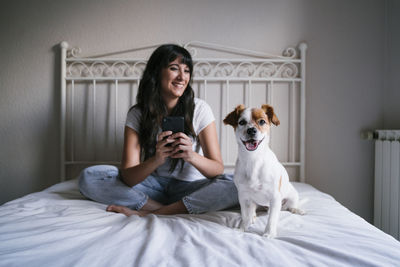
173 123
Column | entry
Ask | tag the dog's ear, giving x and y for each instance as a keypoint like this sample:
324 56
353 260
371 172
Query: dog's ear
232 118
269 110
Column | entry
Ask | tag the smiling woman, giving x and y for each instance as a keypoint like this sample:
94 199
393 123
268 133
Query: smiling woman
174 81
165 172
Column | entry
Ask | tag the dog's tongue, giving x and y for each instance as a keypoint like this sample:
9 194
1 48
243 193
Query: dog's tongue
251 145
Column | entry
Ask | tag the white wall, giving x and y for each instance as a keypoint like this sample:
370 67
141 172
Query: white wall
344 74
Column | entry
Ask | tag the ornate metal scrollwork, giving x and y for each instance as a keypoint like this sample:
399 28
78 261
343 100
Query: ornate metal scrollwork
287 70
74 52
267 69
290 52
103 69
202 69
245 69
78 69
285 67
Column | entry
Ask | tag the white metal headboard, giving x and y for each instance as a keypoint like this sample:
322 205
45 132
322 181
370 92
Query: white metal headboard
97 91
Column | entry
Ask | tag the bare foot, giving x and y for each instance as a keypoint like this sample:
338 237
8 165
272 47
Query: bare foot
125 210
174 208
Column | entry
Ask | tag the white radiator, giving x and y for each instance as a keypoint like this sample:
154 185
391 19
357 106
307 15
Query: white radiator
387 181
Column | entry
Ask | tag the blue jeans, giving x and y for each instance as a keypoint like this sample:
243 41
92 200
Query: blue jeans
102 183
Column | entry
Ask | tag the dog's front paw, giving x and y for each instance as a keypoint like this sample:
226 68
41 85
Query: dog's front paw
270 231
245 225
270 234
297 211
239 229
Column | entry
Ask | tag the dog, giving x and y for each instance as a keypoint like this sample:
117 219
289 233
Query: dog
260 178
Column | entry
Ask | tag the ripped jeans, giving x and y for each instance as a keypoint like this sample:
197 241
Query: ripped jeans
102 183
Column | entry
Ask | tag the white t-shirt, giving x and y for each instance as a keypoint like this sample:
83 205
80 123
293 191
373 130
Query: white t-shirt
202 117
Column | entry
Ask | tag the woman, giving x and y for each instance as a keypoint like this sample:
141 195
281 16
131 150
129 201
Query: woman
165 172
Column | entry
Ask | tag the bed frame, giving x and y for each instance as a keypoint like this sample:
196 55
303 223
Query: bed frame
97 91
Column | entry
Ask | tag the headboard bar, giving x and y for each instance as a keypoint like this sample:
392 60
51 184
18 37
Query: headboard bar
63 109
251 73
303 49
290 52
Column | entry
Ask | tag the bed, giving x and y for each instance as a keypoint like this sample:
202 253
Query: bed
60 227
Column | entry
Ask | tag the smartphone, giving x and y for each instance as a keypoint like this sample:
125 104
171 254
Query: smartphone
175 124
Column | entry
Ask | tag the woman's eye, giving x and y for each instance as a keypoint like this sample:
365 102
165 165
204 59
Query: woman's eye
262 122
242 122
173 68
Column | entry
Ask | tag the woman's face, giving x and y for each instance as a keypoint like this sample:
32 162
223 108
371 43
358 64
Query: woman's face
174 80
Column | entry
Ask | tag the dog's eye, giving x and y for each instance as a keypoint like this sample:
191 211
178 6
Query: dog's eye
242 122
262 122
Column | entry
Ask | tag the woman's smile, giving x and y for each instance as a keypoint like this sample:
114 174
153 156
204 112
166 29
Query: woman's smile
179 85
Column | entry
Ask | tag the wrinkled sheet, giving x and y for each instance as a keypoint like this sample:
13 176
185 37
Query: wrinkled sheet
59 227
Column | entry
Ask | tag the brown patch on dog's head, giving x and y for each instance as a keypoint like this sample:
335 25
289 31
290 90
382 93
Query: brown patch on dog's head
260 119
269 110
233 117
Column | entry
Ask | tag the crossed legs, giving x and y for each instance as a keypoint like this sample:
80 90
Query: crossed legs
156 195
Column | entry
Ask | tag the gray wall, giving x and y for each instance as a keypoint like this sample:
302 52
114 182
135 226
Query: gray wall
392 66
345 74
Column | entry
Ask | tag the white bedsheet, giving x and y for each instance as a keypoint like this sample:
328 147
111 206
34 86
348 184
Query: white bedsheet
58 227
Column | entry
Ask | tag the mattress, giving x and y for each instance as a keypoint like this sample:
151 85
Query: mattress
59 227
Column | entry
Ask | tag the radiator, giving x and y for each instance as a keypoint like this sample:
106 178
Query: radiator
387 182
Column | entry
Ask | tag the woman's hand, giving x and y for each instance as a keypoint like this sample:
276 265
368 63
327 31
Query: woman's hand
182 147
162 150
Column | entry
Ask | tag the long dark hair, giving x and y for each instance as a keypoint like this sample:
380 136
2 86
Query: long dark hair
151 104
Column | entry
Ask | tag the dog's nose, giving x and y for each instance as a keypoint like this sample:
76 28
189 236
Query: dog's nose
251 131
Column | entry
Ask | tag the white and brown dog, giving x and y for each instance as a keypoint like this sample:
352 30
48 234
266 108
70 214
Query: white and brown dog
259 177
